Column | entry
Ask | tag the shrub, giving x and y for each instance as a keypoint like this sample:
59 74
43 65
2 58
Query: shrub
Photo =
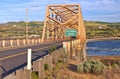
52 48
80 68
119 63
115 66
92 66
87 67
98 68
34 75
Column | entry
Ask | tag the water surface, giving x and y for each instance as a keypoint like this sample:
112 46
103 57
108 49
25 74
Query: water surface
104 48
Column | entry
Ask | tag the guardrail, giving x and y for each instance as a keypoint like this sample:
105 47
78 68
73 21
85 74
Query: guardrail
21 42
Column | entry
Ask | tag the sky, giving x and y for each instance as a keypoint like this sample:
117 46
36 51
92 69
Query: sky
92 10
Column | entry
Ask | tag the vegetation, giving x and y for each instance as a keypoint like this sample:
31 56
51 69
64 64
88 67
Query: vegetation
91 66
93 28
52 48
34 75
111 62
102 29
116 66
46 67
18 29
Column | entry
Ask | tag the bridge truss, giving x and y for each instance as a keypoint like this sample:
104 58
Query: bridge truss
61 17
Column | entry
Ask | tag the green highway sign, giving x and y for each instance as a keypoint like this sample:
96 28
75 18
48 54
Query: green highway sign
71 32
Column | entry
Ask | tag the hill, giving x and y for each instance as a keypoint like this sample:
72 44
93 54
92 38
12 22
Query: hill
102 29
93 29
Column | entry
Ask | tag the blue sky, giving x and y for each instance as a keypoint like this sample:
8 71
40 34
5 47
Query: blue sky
92 10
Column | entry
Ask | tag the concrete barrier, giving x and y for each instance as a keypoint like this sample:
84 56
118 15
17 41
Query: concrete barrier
39 67
23 74
19 42
11 43
3 43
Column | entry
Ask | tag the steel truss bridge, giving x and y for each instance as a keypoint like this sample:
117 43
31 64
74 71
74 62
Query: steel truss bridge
58 18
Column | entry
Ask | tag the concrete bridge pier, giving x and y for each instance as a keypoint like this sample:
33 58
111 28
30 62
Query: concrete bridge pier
84 52
79 54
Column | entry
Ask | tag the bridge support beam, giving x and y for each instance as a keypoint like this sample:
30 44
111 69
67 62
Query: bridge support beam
84 52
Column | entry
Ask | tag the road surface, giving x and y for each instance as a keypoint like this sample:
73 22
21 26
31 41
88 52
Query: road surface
12 59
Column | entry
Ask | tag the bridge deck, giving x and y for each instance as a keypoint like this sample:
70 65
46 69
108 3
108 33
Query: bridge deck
13 59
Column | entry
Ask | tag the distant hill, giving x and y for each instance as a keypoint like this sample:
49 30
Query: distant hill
93 29
22 23
40 23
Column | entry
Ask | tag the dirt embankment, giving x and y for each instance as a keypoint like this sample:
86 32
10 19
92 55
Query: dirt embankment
70 71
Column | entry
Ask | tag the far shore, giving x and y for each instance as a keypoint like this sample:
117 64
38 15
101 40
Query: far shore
106 38
104 57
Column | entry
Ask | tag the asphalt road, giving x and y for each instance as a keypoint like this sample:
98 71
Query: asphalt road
15 58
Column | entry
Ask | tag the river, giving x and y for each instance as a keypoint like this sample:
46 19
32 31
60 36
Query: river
103 48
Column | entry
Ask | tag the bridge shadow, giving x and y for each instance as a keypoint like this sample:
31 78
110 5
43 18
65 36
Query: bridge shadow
72 67
3 68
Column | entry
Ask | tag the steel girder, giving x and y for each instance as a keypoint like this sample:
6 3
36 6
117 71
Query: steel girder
60 17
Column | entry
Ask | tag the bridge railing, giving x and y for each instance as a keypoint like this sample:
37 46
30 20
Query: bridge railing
22 42
19 42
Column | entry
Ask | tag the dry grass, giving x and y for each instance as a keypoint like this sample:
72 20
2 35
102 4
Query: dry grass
69 71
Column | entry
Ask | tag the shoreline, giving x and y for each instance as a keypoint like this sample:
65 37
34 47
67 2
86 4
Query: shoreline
101 39
104 57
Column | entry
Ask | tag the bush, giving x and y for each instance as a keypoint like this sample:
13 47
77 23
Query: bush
80 68
91 66
52 48
87 67
98 68
34 75
116 66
